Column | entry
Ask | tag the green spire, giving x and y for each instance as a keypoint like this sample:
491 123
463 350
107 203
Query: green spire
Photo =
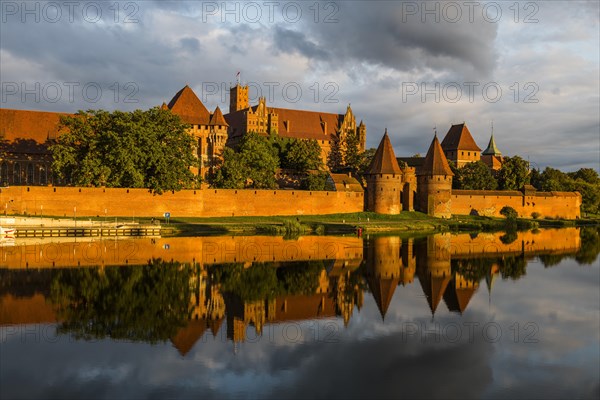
491 150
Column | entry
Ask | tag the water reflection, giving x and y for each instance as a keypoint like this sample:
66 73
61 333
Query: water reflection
186 287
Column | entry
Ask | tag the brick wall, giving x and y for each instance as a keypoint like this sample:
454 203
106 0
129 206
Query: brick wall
67 201
489 203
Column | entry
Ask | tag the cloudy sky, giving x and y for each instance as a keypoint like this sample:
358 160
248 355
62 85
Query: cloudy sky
530 67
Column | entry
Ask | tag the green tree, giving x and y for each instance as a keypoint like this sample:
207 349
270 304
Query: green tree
261 161
514 173
314 181
302 156
253 165
588 175
140 303
231 173
139 149
345 153
475 176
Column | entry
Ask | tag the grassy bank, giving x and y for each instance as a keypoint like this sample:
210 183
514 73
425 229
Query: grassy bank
333 224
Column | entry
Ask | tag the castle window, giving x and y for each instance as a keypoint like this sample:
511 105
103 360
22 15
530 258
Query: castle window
30 174
16 173
469 153
462 153
43 175
4 174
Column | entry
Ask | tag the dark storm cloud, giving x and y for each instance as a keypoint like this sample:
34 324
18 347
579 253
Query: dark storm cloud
388 34
190 44
287 40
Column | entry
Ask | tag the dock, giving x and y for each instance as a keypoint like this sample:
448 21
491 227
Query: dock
27 227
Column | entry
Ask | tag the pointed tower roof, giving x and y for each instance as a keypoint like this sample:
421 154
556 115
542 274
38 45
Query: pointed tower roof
491 149
361 123
164 106
384 161
186 337
459 138
435 162
217 118
457 298
189 107
383 291
433 288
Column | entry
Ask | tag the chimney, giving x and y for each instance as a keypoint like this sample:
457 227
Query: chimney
287 126
324 127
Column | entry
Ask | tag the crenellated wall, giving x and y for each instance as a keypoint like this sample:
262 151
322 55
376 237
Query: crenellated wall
110 202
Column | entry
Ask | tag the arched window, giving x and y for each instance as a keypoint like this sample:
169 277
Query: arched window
16 173
43 175
4 174
30 174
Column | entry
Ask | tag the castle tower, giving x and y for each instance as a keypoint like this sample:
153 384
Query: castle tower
433 267
384 180
362 135
383 269
238 98
217 137
459 145
434 183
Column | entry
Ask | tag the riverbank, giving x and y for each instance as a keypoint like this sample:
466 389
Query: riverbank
368 222
332 224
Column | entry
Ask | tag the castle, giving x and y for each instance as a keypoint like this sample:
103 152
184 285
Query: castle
421 184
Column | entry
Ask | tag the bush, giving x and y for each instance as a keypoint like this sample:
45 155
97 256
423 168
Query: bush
509 212
535 215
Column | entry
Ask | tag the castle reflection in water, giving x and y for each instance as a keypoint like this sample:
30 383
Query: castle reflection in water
180 289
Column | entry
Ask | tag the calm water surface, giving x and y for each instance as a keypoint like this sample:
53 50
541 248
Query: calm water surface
444 316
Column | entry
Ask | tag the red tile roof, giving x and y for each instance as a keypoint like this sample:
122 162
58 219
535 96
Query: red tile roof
459 138
384 161
29 125
299 124
435 162
189 107
217 118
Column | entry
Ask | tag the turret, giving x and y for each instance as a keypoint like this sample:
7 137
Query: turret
433 267
434 183
384 180
383 269
491 156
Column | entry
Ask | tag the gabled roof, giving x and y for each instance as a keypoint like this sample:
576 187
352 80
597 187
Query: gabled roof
491 149
435 162
189 107
217 118
384 161
345 183
459 138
